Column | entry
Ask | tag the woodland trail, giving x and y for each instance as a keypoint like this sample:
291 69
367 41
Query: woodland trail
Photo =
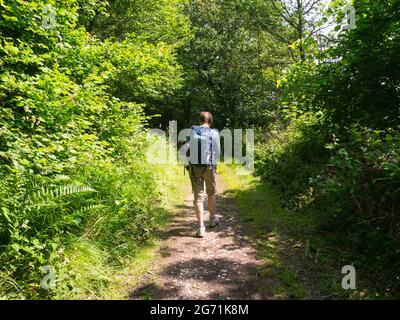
223 265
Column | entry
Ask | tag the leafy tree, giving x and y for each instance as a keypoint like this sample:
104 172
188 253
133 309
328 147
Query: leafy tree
338 157
72 136
231 64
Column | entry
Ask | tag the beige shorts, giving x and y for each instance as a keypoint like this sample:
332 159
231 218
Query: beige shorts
200 176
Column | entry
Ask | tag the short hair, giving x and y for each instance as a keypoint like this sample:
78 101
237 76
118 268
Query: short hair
206 117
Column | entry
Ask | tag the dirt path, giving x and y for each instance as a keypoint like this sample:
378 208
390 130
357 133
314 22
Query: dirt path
222 265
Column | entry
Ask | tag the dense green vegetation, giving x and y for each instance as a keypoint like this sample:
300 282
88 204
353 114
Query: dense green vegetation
74 178
338 157
77 96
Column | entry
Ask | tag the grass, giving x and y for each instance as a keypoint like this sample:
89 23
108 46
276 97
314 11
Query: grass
91 273
297 259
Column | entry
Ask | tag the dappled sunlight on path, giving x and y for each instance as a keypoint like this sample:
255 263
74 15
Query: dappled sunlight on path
223 265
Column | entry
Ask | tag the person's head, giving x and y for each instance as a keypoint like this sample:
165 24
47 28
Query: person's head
206 118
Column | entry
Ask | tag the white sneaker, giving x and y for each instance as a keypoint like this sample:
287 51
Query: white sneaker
214 220
201 232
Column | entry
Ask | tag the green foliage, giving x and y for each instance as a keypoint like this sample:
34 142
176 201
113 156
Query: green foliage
231 65
300 145
360 194
76 97
356 81
73 139
149 21
342 166
143 36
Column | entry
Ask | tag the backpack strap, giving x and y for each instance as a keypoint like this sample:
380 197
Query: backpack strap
211 147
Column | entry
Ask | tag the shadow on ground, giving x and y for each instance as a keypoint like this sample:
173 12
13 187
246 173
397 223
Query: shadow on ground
225 273
221 266
191 269
280 236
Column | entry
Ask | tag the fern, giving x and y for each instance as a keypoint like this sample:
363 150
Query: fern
87 208
60 191
58 204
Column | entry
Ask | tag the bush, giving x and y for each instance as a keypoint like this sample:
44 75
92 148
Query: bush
292 155
344 171
349 187
72 154
360 196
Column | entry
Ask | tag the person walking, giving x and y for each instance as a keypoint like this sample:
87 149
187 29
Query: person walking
204 155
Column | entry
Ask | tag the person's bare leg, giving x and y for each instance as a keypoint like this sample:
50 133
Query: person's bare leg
212 202
199 208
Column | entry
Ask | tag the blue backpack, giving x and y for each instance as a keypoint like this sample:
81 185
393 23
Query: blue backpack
202 142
